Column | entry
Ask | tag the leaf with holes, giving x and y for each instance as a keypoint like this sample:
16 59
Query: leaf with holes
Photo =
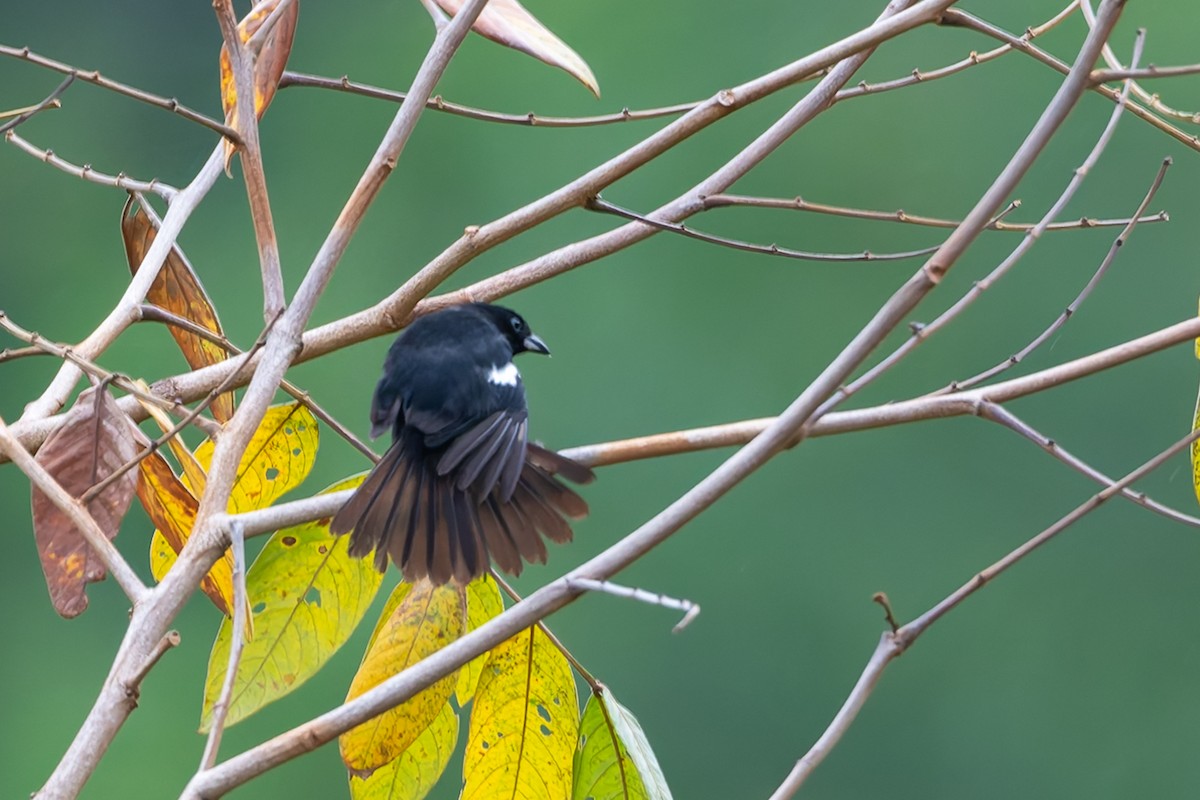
483 603
307 595
614 760
177 289
279 457
415 771
95 440
426 620
277 460
268 65
507 22
524 723
172 508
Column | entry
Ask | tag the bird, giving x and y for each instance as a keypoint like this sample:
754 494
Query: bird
461 486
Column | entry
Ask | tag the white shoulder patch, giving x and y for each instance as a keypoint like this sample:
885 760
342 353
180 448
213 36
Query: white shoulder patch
504 376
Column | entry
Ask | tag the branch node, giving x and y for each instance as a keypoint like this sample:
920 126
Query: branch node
882 599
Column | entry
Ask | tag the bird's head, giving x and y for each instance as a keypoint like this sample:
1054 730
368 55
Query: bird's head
513 327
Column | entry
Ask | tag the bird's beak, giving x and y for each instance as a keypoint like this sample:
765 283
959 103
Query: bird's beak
534 344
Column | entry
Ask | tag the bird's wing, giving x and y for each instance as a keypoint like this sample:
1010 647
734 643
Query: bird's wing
488 455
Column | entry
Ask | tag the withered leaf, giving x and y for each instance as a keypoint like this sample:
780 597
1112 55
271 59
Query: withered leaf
172 509
507 22
177 289
268 67
96 438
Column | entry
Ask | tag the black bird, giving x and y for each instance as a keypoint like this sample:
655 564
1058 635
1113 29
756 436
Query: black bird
460 485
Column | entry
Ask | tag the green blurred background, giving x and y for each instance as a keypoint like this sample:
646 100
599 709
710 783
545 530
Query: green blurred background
1072 676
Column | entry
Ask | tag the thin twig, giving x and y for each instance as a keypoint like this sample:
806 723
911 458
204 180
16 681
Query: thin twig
1150 99
1002 416
922 332
66 353
242 61
900 215
691 610
51 101
122 315
87 173
893 645
961 18
94 77
1073 306
598 203
220 709
169 640
80 517
575 663
153 313
533 119
1122 73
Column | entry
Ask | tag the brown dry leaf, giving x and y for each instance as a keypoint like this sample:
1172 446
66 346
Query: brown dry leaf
95 440
177 289
268 67
507 22
172 509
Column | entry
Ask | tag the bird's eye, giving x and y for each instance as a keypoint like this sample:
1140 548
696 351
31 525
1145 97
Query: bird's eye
518 324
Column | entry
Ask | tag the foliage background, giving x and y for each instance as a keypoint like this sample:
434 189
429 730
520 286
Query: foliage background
1072 676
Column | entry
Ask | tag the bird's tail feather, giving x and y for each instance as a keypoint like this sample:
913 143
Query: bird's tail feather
433 529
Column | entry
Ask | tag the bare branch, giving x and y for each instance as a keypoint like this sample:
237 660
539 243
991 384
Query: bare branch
1074 305
94 77
51 101
598 203
691 610
237 643
895 644
123 313
1000 415
1152 100
962 18
900 215
91 368
922 332
241 59
86 173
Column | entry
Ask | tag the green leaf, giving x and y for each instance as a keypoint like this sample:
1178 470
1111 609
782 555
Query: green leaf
483 603
427 619
307 595
614 760
524 723
417 769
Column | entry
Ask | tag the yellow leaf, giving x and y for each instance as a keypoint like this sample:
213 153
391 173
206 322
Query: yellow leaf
417 769
172 509
1195 451
614 760
425 621
524 723
483 603
307 595
277 460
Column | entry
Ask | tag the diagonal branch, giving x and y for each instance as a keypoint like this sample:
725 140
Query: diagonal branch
892 645
242 60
